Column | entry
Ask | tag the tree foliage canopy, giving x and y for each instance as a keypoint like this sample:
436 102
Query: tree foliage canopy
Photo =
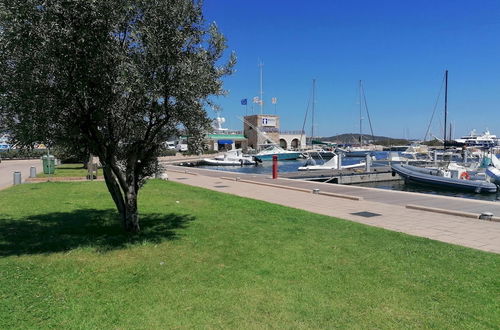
117 76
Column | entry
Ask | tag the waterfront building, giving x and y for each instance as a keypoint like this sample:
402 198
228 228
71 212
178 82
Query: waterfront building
265 129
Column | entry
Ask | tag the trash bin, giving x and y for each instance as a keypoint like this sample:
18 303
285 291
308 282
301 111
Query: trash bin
49 164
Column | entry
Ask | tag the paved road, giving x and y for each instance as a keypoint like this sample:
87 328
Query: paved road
7 167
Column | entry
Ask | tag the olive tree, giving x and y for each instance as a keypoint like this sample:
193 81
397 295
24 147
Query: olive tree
117 77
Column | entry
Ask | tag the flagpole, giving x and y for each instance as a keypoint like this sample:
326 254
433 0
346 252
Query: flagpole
261 92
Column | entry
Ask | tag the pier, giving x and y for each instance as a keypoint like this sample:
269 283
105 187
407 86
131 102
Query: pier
345 176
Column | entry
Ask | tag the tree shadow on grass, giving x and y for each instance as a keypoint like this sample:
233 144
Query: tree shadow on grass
97 229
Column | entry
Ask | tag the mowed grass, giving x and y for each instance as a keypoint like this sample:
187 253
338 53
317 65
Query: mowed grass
68 170
209 260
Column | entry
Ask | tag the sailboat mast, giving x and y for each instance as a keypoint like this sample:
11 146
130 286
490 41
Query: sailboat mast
445 104
360 117
261 91
312 111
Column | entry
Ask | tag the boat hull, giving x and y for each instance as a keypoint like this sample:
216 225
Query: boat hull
219 162
357 153
417 175
281 156
494 175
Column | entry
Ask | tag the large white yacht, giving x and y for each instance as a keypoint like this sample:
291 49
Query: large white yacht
486 140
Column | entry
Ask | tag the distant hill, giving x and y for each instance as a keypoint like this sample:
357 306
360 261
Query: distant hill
353 138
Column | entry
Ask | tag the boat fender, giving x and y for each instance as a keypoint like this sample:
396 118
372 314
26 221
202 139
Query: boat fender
465 176
241 162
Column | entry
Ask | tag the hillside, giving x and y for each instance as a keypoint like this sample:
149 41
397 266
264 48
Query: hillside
353 138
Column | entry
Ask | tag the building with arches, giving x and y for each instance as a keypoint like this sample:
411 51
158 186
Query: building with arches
265 129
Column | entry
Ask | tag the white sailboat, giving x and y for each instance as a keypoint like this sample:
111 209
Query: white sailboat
360 151
333 164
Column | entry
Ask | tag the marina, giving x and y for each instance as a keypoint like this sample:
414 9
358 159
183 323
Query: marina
380 176
467 165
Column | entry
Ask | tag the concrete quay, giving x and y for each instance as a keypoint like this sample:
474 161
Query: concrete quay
345 176
392 210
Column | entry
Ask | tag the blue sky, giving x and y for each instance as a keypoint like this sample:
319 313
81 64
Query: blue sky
399 49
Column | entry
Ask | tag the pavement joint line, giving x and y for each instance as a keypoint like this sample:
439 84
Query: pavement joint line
443 211
276 185
355 198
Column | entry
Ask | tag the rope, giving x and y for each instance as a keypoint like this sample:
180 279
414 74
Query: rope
434 111
367 112
305 117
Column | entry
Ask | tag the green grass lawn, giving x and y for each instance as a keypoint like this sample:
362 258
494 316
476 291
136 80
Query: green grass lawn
68 170
209 260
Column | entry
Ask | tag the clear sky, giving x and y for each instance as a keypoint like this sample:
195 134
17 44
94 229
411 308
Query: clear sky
399 49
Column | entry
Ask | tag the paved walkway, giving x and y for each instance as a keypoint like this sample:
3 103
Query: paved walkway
391 213
8 167
391 197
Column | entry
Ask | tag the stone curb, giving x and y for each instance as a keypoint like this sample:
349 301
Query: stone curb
294 188
353 198
59 179
448 212
183 172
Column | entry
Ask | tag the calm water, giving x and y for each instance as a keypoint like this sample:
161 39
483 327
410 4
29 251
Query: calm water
293 165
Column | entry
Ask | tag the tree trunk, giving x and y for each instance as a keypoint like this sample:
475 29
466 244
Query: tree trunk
131 218
126 204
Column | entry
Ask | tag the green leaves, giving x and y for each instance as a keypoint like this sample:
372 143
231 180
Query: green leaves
119 76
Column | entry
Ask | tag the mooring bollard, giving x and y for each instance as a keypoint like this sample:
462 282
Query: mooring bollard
315 191
17 178
368 160
275 167
32 172
486 216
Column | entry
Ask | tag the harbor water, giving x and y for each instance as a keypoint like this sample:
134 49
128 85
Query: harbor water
293 165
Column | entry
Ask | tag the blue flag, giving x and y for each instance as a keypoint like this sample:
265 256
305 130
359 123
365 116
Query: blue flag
244 102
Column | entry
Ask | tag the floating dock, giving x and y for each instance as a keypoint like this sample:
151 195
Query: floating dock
345 176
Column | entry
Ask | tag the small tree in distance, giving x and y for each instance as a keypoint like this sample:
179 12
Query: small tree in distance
117 76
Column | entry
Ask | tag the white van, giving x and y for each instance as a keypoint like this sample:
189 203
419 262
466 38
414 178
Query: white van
181 147
170 145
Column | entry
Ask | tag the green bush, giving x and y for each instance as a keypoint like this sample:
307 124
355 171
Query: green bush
167 152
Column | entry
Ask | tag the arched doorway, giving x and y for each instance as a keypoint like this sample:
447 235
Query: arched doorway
283 143
295 144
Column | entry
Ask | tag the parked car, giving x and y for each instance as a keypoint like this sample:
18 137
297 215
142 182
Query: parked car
170 145
181 147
